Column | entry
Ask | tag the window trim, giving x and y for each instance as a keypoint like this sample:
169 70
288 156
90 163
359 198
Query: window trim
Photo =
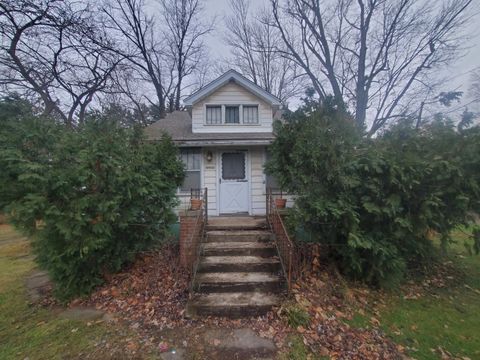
200 149
240 114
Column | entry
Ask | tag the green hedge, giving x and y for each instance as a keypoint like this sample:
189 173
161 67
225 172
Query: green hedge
100 193
373 202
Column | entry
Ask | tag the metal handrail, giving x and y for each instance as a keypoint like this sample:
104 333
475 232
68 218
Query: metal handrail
198 233
283 243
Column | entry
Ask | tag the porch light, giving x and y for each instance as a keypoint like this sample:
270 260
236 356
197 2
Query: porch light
209 156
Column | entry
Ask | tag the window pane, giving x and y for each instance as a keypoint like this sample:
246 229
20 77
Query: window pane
271 181
232 115
214 114
191 181
250 114
233 166
191 158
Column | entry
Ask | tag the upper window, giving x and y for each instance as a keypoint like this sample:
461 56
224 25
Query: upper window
214 114
191 159
232 114
250 114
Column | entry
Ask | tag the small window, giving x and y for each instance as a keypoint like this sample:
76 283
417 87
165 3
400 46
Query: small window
232 115
192 160
214 114
271 181
250 114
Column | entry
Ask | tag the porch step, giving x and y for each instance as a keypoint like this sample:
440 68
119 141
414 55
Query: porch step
238 281
238 235
239 272
236 223
236 248
236 304
238 264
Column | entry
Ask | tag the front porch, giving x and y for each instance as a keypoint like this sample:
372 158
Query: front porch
234 176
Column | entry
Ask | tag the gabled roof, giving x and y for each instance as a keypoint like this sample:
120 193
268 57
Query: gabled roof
231 75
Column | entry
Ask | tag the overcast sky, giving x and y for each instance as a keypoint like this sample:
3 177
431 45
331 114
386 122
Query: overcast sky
458 74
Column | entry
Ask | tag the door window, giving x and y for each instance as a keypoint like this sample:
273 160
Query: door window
233 166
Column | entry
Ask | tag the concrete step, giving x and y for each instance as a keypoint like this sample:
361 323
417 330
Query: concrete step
238 235
234 248
238 281
238 264
237 304
236 223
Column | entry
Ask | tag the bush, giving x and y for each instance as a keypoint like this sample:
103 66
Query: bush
374 202
100 193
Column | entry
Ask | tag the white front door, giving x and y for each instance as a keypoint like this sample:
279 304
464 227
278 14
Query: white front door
233 182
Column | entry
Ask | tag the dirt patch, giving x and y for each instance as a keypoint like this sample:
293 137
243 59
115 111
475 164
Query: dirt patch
39 286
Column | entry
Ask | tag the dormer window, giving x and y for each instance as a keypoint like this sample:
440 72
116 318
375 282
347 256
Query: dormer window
231 114
250 114
214 114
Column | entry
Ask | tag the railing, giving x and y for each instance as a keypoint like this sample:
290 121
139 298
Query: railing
199 232
285 247
195 227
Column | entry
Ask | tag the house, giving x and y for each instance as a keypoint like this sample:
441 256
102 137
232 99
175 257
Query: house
223 137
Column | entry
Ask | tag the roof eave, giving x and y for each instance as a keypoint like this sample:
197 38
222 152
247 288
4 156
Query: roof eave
200 143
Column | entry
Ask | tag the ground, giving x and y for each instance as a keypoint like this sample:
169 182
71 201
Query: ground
435 317
35 332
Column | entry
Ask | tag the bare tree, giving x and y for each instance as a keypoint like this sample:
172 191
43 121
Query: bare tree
163 52
138 41
55 50
187 28
254 44
373 54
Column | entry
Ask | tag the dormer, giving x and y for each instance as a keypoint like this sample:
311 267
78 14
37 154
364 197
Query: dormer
232 104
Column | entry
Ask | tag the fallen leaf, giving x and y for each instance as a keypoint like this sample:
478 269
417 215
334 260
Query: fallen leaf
216 342
163 347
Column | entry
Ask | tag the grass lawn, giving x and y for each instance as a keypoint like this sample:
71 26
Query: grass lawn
32 332
442 321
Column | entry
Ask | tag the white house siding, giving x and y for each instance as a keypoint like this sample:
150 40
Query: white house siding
232 94
257 177
210 180
257 180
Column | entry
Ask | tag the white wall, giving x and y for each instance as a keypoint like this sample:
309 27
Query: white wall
257 193
210 180
232 94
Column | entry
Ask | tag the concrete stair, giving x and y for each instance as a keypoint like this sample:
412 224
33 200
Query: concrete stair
239 272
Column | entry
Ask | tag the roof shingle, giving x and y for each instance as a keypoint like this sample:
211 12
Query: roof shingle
179 126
